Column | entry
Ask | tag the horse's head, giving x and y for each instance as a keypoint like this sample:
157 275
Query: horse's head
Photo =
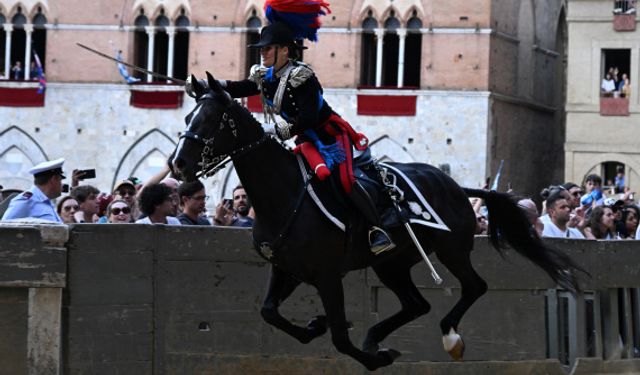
210 131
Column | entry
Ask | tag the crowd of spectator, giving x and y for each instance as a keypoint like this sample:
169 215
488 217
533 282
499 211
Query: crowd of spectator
593 211
160 200
16 72
615 84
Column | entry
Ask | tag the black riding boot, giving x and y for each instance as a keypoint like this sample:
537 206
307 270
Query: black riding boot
379 240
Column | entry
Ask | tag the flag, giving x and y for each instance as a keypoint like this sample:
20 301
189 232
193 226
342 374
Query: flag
42 81
494 186
123 70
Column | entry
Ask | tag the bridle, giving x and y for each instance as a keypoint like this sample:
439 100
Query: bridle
209 163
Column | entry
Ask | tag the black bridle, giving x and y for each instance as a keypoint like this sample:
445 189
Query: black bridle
211 164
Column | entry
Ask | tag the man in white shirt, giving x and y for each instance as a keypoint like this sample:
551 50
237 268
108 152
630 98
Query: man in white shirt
559 213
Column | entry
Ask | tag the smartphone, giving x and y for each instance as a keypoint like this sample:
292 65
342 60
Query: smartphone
228 203
87 174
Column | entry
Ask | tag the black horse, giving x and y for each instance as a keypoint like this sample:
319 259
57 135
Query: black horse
311 249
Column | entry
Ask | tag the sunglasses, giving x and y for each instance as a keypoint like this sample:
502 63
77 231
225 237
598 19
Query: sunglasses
124 193
117 210
576 193
69 208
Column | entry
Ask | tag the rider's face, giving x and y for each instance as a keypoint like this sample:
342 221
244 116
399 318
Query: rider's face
274 55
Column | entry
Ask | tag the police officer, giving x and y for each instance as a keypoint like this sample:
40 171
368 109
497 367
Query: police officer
36 202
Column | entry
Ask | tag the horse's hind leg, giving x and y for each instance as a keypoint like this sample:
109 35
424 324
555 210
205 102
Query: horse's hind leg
396 277
332 295
472 287
281 285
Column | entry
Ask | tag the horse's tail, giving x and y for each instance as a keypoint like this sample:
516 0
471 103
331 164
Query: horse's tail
509 227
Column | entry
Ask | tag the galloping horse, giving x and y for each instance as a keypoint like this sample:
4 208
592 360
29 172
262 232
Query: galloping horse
311 249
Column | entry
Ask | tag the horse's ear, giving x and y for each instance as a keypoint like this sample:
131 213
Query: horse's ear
214 84
195 88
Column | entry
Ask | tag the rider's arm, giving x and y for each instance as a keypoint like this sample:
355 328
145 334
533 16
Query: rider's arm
246 87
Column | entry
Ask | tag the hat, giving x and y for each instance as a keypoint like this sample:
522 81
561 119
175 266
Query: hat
610 202
51 167
276 33
122 183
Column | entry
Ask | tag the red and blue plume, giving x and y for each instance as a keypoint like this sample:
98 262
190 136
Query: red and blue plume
302 16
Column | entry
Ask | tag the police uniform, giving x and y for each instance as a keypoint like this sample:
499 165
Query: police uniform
33 203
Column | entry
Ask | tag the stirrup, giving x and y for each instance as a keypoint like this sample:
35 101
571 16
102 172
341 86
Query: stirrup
381 247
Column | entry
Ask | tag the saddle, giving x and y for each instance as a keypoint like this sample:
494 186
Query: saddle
379 179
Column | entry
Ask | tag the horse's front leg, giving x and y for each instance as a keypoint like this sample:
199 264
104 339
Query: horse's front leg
332 295
281 285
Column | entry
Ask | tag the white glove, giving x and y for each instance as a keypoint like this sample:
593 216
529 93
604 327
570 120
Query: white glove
269 128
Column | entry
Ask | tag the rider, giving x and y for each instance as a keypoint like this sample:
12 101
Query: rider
290 90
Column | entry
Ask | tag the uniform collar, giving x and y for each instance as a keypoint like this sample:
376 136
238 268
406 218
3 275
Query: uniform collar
38 195
284 69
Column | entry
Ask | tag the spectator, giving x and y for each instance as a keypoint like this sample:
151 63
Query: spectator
559 215
66 208
482 225
531 211
36 202
16 71
601 224
575 192
192 197
555 192
173 184
33 71
87 197
156 203
624 86
628 226
237 214
619 180
593 196
119 212
126 190
608 85
103 203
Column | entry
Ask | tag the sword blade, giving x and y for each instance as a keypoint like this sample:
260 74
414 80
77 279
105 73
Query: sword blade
139 69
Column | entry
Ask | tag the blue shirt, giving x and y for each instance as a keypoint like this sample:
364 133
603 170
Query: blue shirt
31 203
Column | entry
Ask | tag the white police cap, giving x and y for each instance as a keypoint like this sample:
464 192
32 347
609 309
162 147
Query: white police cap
52 167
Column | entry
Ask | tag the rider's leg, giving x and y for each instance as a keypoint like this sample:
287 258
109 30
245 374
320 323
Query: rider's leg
378 238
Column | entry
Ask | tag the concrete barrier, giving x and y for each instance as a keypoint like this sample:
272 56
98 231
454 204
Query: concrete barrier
182 300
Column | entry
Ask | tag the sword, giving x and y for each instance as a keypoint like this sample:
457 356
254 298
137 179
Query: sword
142 70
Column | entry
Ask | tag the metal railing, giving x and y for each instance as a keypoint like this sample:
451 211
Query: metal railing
624 7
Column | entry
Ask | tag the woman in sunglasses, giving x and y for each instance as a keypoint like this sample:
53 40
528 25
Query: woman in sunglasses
119 212
66 208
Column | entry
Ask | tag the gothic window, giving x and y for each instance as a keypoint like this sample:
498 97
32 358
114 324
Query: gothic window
39 38
181 50
3 38
253 36
368 51
161 46
413 53
140 43
390 57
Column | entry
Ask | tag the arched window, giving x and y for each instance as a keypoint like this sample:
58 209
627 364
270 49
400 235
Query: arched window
39 38
140 43
253 36
3 38
390 56
161 46
368 51
181 50
413 52
18 46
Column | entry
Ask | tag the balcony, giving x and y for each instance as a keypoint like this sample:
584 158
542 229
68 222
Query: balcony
624 15
614 106
386 101
21 94
158 95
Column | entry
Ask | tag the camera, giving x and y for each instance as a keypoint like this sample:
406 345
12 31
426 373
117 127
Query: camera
228 203
85 174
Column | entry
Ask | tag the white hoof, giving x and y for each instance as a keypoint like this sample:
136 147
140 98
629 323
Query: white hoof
453 345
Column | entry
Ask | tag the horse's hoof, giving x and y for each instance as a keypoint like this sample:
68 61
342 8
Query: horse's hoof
457 352
453 344
382 358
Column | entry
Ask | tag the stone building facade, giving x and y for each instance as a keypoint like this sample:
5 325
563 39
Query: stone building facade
602 128
461 85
